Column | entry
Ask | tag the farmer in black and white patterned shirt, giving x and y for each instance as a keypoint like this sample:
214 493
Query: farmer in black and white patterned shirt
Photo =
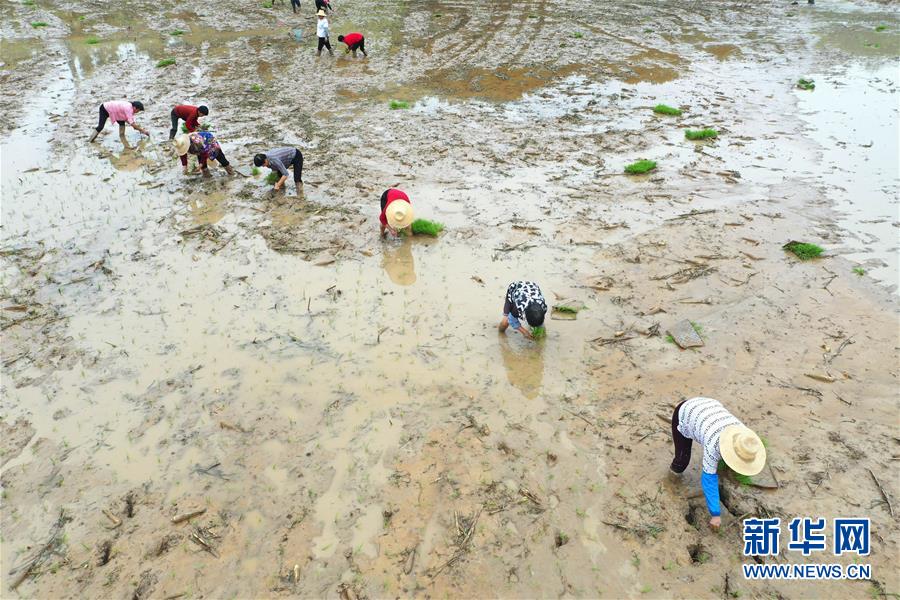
524 300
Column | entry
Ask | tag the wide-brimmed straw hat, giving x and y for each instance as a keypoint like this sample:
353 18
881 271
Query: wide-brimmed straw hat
742 450
321 13
182 144
399 214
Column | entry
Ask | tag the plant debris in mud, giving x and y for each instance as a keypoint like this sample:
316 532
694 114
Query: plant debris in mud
700 134
92 40
165 62
426 227
399 104
804 251
37 24
806 84
662 109
640 167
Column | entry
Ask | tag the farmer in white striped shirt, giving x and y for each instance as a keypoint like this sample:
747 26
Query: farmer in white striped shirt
722 436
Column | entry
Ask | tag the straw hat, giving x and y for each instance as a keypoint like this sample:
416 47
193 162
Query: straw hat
321 13
742 450
182 144
399 214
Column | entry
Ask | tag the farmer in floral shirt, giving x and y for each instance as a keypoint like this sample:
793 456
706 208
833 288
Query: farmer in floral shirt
203 144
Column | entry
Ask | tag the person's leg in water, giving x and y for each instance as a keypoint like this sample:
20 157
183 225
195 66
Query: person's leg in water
174 129
104 115
321 45
362 48
295 4
122 133
220 156
327 43
504 322
682 445
297 163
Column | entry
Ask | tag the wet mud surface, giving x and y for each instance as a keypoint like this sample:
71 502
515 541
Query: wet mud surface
342 409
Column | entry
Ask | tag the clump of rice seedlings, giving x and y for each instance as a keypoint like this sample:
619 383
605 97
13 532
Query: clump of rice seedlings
438 15
578 35
880 28
176 32
539 332
533 16
566 309
662 109
267 5
28 3
255 171
273 177
669 338
698 328
806 84
203 127
37 24
426 227
859 271
398 104
872 45
255 88
804 251
640 167
700 134
92 40
165 62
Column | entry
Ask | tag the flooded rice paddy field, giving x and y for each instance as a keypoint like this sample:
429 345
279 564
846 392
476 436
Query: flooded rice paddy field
343 408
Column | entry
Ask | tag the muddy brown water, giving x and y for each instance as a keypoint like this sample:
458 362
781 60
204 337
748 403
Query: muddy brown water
343 407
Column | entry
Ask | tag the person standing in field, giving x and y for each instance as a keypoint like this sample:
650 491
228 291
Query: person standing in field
355 41
278 160
122 112
190 115
323 5
204 145
322 33
396 212
722 436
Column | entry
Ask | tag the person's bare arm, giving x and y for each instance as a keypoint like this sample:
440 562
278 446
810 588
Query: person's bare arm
280 182
525 332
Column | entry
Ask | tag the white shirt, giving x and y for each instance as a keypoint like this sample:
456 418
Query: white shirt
702 420
322 28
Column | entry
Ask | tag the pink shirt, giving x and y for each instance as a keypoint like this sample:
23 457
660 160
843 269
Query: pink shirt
120 110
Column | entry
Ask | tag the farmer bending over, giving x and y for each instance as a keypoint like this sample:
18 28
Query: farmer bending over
120 111
279 160
204 145
524 300
396 212
322 33
355 41
723 436
190 115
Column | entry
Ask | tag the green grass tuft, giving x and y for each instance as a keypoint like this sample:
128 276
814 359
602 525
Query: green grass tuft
806 84
254 171
539 332
397 104
273 177
662 109
176 32
37 24
425 227
578 35
255 88
165 62
640 167
92 40
28 3
880 28
700 134
804 251
859 271
267 5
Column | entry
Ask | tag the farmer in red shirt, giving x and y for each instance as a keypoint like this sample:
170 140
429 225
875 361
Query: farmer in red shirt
190 115
355 41
396 212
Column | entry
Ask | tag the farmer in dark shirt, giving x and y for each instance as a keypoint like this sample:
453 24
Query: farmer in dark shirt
524 300
190 115
355 41
278 160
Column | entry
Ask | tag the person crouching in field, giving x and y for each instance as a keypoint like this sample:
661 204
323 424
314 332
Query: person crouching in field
204 145
524 300
355 41
278 160
396 212
722 436
122 112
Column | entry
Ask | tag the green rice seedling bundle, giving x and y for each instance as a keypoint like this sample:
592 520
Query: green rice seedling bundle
640 167
426 227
